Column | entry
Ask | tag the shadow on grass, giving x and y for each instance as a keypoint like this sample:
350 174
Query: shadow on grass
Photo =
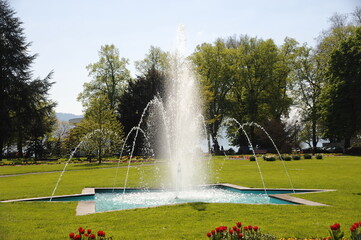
199 206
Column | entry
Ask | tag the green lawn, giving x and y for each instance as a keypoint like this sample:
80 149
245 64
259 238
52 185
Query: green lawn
39 220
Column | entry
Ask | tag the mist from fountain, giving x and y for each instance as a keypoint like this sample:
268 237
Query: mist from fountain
84 140
184 128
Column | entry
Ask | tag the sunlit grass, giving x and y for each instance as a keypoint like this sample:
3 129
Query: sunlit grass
38 220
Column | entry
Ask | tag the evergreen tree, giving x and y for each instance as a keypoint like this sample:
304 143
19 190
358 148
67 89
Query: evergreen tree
136 97
23 102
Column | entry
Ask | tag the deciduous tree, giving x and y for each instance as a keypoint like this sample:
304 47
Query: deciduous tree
110 77
341 98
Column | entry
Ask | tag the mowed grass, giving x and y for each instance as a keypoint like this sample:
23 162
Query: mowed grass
43 220
18 169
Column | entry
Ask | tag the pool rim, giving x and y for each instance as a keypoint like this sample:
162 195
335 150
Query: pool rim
88 207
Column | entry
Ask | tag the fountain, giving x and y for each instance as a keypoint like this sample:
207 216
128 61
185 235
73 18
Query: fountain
185 176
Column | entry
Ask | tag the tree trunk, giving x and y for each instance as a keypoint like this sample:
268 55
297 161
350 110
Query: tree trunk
314 138
99 152
1 148
209 144
216 149
20 146
347 143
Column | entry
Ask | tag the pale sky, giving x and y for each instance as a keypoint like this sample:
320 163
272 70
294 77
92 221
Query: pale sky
68 34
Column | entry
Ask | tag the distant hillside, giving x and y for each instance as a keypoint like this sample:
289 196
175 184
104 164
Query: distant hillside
66 116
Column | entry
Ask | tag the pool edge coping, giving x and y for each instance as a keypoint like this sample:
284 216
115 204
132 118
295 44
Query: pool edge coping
88 207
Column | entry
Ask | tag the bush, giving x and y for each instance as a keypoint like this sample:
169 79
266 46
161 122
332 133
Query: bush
296 157
252 158
269 158
307 156
286 158
318 156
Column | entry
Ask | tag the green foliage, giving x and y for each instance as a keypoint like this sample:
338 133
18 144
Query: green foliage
253 76
308 80
155 59
110 76
296 157
335 232
342 104
212 63
252 158
307 156
269 158
319 156
134 100
100 132
287 158
26 113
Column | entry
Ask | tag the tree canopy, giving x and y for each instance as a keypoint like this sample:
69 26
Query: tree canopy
26 113
110 76
341 98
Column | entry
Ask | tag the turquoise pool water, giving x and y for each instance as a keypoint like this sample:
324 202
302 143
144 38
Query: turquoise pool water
108 200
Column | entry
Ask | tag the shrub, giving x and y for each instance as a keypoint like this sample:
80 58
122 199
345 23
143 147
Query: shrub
286 158
307 156
252 158
318 156
269 158
296 157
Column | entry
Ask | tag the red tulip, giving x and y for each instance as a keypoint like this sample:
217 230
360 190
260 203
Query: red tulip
238 230
249 227
239 224
245 228
352 229
92 236
240 235
209 234
255 228
89 231
71 235
213 232
77 237
231 231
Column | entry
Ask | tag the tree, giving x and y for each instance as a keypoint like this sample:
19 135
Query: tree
260 78
155 59
135 99
212 63
110 77
58 137
100 131
308 82
341 98
25 110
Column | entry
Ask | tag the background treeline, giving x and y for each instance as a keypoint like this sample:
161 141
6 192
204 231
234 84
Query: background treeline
242 78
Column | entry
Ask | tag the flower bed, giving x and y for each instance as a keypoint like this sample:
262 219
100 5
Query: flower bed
254 233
